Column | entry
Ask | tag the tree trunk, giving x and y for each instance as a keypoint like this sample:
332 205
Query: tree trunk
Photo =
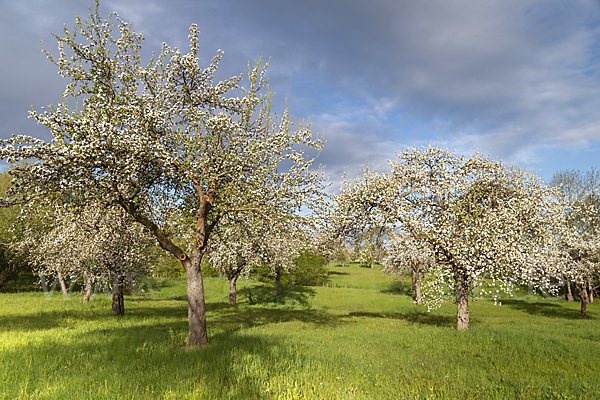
233 290
590 293
327 267
196 309
417 286
63 286
569 293
88 288
118 301
278 281
583 296
462 300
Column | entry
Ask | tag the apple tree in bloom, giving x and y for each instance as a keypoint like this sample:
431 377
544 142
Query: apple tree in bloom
234 251
580 191
581 263
95 242
489 225
408 255
283 243
163 140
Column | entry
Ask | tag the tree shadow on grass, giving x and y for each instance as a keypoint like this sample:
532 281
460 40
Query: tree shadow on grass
129 362
267 294
337 273
399 287
232 318
88 312
545 309
419 318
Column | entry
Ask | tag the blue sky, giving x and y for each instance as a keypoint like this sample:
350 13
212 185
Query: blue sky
518 80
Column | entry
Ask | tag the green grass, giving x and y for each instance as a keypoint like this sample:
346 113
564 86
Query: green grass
360 337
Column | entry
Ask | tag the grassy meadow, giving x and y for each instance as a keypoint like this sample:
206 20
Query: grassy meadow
359 337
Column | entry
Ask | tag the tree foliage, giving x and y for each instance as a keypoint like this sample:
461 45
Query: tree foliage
580 240
490 226
15 272
173 148
408 255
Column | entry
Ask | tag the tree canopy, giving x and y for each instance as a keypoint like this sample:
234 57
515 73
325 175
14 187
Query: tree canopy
173 148
489 225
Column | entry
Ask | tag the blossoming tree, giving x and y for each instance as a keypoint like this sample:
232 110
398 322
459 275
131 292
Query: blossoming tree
581 263
94 242
234 251
489 225
172 147
580 242
406 254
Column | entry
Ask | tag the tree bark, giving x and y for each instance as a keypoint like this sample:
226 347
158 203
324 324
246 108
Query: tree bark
196 308
417 287
195 287
583 296
590 293
63 286
233 290
278 281
88 288
569 293
118 301
462 300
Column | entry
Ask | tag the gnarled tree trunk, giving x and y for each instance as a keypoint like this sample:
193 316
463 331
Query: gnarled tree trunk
417 288
233 290
118 301
583 296
63 286
88 288
569 293
462 300
196 308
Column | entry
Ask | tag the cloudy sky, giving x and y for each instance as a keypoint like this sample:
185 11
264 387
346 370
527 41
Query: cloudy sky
518 80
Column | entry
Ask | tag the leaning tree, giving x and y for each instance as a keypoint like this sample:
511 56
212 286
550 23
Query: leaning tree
489 225
172 147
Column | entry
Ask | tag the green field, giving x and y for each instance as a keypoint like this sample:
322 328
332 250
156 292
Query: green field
360 337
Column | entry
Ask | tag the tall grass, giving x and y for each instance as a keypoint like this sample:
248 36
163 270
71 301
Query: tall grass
362 339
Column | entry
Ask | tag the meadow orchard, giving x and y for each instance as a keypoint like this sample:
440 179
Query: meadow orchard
158 149
175 150
487 225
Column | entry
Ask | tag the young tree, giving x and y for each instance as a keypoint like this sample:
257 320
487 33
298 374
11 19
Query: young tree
174 149
488 224
405 254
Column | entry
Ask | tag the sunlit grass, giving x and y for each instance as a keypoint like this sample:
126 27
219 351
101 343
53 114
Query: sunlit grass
362 339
